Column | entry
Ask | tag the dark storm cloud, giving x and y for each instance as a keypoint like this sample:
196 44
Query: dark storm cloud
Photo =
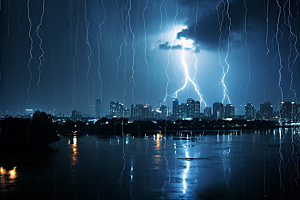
212 26
168 46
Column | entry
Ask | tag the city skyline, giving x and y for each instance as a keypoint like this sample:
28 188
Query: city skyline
61 57
189 109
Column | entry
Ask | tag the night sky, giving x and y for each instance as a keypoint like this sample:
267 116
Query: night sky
62 55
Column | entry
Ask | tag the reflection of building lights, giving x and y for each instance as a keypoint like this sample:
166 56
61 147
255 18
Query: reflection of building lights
184 177
74 140
12 173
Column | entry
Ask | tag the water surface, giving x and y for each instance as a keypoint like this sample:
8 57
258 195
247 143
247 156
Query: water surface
208 165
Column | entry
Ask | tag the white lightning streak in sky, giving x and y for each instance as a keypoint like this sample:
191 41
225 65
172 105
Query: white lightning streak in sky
40 45
30 51
187 77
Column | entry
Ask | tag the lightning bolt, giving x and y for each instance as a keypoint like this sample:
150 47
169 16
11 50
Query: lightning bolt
145 51
225 91
121 48
278 51
89 53
292 35
30 51
187 77
99 37
225 71
246 38
40 45
133 49
267 34
168 63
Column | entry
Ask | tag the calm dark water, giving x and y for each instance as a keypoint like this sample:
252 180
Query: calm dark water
228 165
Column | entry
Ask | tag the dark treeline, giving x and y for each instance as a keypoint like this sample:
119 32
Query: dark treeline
37 133
27 135
116 126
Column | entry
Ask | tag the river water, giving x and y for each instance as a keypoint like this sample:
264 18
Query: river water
206 165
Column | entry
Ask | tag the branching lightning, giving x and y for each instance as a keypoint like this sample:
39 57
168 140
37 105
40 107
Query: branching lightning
225 71
278 50
187 77
99 37
267 35
145 52
40 45
124 43
225 91
30 51
133 49
246 39
89 52
292 36
168 63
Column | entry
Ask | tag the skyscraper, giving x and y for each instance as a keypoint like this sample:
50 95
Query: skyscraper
266 110
218 110
116 109
197 109
176 108
288 110
207 112
249 111
98 109
137 111
190 104
229 111
182 110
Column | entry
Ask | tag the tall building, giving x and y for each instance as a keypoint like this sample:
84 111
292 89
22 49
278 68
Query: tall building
207 112
266 110
148 114
137 111
229 111
288 110
176 108
249 111
191 108
182 110
116 110
127 113
218 111
197 109
98 108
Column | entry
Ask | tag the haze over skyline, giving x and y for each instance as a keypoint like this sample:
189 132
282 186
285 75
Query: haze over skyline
64 55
